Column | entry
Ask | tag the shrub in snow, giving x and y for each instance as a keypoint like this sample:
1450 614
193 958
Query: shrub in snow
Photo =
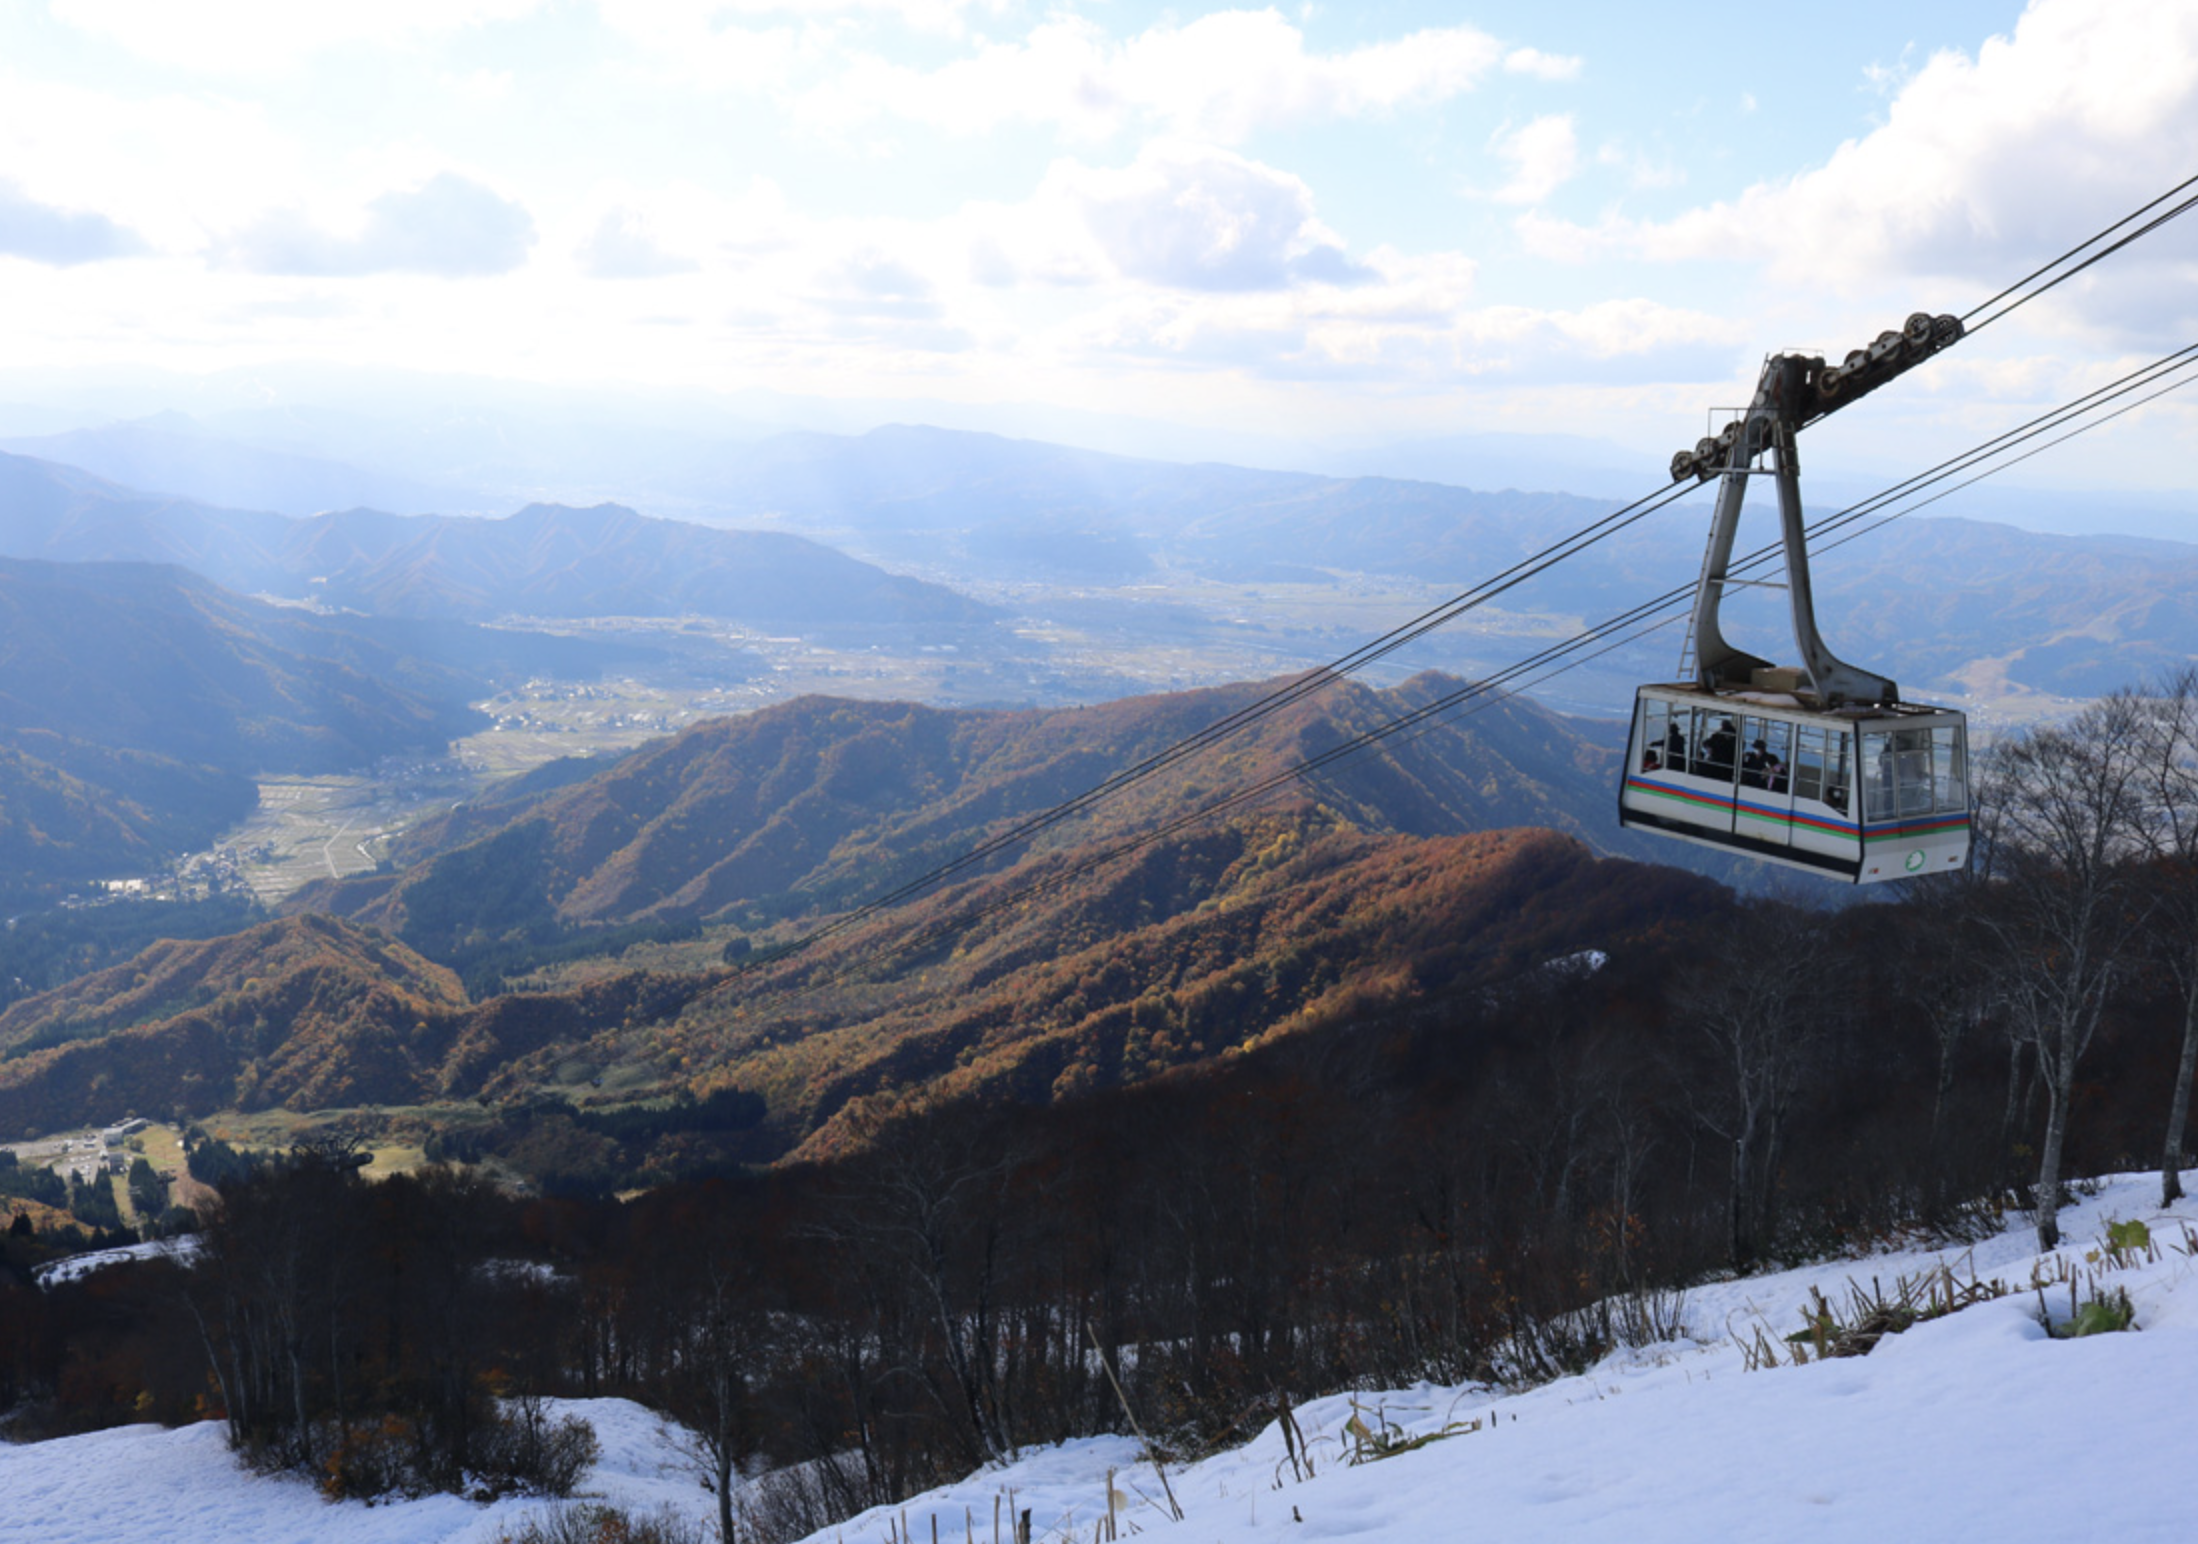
537 1452
518 1449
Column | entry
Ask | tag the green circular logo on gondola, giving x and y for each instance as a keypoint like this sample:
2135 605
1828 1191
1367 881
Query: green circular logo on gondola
1915 860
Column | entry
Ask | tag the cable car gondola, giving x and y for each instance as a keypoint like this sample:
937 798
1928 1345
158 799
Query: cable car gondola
1819 766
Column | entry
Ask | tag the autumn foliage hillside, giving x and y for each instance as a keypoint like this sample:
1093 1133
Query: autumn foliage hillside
1430 864
1075 974
309 1011
1188 951
813 805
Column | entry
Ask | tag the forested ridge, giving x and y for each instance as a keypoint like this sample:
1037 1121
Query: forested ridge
806 807
1188 950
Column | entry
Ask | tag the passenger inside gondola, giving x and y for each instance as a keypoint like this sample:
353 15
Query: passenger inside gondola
1717 752
1762 768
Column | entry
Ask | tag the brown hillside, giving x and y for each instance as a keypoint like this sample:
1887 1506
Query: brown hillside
1190 950
1354 887
813 805
1109 972
306 1012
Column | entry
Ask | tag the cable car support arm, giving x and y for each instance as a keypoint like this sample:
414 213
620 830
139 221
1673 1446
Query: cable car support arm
1794 390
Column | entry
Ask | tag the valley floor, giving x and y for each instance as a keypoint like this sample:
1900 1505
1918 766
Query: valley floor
1975 1425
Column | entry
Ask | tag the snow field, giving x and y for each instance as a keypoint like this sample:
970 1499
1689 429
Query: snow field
143 1485
1973 1426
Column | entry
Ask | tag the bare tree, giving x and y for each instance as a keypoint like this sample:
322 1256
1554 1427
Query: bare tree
2064 898
925 1207
2169 831
718 1355
1757 1007
1946 976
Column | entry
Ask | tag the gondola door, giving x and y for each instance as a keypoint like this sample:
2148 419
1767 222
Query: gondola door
1763 811
1823 813
1685 765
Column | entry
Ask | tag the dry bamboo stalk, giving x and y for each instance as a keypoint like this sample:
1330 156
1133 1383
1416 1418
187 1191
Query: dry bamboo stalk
1152 1453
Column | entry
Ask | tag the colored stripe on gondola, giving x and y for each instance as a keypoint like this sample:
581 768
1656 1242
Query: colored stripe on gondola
1907 830
1706 801
1683 795
1797 818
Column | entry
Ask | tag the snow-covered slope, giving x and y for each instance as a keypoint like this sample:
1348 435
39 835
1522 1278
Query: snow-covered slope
143 1485
1974 1425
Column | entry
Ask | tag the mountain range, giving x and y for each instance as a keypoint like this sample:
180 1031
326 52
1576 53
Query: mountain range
545 561
173 455
1946 606
751 830
1943 604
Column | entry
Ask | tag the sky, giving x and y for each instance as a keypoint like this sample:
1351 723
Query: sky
1381 220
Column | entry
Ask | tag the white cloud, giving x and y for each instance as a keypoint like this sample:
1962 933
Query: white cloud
691 43
1195 217
61 237
1189 259
684 20
1984 167
486 88
448 227
1641 169
1543 155
1532 61
876 283
1219 78
623 246
1412 332
170 167
259 35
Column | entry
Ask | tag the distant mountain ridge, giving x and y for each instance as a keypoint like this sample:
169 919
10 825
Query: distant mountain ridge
171 455
544 561
1944 605
1932 601
144 657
